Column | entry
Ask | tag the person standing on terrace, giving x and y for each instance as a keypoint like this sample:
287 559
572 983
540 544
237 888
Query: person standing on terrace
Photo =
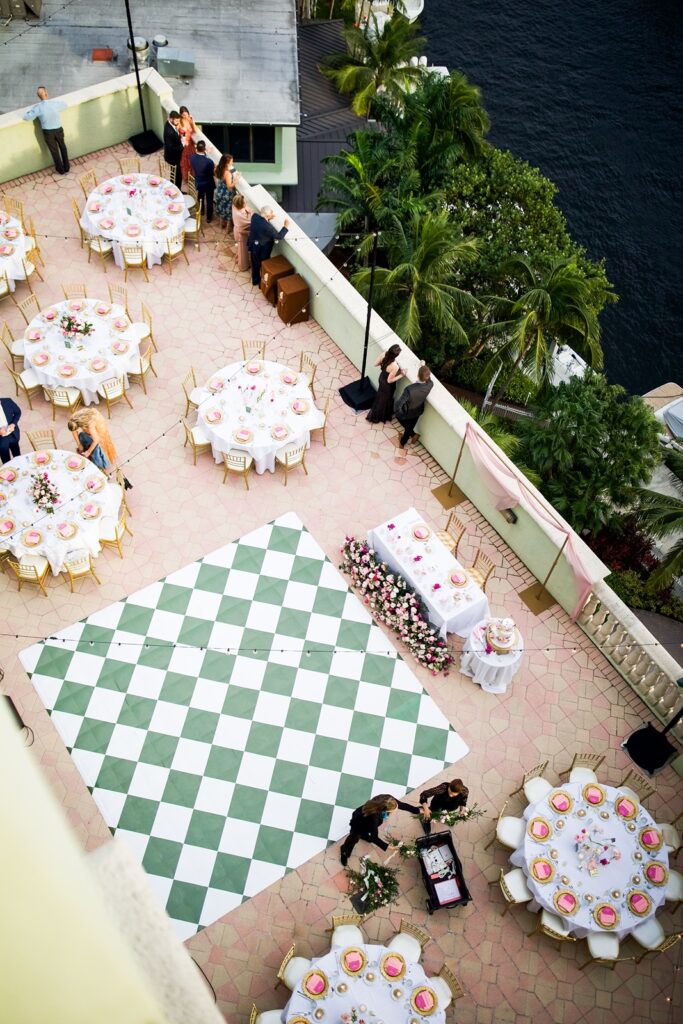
48 111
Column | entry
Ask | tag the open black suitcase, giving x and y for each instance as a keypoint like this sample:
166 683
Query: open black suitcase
442 872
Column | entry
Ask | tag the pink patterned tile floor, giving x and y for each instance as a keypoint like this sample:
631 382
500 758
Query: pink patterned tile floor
566 697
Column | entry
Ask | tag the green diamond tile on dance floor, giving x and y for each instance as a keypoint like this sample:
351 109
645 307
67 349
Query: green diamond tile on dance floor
229 718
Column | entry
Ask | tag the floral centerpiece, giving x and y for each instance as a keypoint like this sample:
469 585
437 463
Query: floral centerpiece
352 1016
375 885
407 848
44 494
395 603
73 328
593 850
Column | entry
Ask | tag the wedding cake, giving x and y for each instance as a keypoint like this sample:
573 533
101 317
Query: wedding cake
501 635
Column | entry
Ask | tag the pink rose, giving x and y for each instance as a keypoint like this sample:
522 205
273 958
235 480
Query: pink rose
437 586
391 526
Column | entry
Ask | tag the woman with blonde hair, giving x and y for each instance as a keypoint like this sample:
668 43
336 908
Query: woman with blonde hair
241 221
93 439
366 820
186 129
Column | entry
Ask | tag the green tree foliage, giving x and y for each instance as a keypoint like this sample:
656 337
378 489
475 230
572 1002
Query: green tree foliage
593 447
500 433
662 515
510 207
418 294
376 62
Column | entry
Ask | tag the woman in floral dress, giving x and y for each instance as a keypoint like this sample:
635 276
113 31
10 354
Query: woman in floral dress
227 178
187 128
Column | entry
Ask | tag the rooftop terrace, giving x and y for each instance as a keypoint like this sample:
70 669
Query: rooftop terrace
567 697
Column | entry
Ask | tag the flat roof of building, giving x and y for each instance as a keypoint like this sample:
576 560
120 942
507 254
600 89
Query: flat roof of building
245 54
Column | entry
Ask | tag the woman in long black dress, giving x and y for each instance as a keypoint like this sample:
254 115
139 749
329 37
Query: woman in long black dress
390 372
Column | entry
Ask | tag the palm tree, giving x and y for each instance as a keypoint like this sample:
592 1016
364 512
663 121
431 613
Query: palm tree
554 308
662 515
442 121
377 62
417 291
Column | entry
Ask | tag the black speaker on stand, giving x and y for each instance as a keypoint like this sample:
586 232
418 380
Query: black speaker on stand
649 748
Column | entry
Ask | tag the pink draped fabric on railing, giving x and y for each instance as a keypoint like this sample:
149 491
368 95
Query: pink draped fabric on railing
508 490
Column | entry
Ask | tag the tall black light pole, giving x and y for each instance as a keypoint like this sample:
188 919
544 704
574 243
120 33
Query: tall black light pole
360 394
146 141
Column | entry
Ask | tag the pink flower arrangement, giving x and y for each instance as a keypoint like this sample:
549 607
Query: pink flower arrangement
391 526
132 192
393 602
44 494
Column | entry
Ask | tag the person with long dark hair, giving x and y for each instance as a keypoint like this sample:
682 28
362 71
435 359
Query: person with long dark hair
226 188
448 796
390 372
366 820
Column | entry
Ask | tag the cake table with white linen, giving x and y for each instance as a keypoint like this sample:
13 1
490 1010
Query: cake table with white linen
13 249
375 981
594 856
136 209
85 498
493 671
257 407
60 359
454 601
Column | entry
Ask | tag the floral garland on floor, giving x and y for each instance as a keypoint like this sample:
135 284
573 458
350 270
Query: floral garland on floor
408 848
44 494
375 885
395 603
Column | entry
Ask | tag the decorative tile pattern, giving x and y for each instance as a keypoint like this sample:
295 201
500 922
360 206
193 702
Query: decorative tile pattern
228 718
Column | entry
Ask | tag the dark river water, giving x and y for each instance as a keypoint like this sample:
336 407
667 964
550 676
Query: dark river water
591 92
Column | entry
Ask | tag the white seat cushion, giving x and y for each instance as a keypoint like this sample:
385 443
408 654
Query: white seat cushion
603 945
198 435
113 392
649 934
347 935
443 992
629 792
37 561
4 287
554 922
108 528
30 269
536 789
270 1017
175 247
17 348
30 242
672 838
510 831
71 393
29 379
190 226
135 257
295 970
189 201
516 883
582 775
674 887
408 946
196 396
101 245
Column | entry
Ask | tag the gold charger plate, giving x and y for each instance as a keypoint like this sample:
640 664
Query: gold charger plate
593 794
68 533
539 829
384 963
355 951
639 903
74 463
97 510
606 916
565 801
308 977
566 902
542 870
41 458
421 532
424 992
6 527
95 484
31 537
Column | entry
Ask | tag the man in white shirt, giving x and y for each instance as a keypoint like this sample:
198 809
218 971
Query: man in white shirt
48 111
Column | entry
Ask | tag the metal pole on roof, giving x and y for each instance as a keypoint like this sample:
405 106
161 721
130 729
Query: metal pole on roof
135 64
146 141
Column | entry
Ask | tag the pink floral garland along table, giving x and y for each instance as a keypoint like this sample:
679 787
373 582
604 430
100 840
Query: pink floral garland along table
374 981
593 855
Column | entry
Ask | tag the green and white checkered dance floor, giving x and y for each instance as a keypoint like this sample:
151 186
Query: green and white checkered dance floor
228 718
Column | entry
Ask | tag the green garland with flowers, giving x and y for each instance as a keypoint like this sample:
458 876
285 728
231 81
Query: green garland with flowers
407 848
374 886
395 603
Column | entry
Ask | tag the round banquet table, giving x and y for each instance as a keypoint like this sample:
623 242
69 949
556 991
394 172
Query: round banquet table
559 874
257 396
86 497
13 249
494 672
111 350
377 998
136 209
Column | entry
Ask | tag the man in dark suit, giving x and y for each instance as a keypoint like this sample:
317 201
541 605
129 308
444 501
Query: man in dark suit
173 145
10 414
411 402
262 236
203 169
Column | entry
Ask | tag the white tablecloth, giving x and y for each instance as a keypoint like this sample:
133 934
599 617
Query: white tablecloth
494 672
618 876
451 609
377 996
101 345
148 204
74 492
258 402
10 261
